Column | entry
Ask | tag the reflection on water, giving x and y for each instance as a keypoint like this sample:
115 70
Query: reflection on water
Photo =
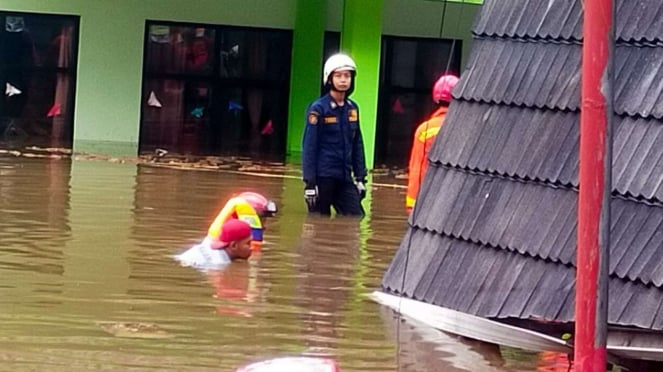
88 279
422 348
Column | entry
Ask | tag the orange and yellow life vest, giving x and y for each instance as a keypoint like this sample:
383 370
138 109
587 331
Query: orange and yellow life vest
237 208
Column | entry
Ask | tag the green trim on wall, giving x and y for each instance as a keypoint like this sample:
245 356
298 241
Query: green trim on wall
361 38
305 75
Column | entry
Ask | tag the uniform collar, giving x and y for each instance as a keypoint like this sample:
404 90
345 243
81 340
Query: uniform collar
333 105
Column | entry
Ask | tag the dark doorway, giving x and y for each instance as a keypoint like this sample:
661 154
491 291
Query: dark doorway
409 68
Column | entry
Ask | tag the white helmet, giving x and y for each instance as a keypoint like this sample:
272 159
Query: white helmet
337 62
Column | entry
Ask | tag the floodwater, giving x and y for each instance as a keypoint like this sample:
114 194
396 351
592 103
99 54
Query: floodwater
85 261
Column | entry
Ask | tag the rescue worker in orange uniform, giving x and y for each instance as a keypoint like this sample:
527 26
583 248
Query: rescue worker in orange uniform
249 207
425 136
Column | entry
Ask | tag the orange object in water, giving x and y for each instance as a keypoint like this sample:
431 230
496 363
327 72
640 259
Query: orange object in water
554 362
256 246
423 141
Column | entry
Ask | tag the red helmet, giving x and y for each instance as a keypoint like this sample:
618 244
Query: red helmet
263 206
443 88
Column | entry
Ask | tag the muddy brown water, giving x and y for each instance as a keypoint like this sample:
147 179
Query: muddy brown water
88 281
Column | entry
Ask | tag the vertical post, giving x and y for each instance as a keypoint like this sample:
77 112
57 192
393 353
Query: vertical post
306 71
595 187
361 37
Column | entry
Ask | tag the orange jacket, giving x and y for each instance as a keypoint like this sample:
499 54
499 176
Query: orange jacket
423 141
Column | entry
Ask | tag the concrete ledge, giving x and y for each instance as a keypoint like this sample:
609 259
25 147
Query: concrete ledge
109 148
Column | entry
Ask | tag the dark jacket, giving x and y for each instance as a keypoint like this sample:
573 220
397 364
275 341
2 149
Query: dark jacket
333 145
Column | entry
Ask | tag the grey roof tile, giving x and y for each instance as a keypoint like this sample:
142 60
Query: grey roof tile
495 283
543 74
543 145
641 305
536 220
553 19
532 82
638 84
636 20
639 20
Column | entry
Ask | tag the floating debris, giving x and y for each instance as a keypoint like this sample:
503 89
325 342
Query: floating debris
134 330
161 157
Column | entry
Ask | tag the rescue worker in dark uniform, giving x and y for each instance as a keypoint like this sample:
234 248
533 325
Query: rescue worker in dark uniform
334 167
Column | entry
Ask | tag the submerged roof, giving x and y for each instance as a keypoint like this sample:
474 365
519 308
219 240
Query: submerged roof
494 231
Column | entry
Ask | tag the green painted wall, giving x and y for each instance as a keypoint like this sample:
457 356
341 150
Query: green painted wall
433 19
361 38
110 59
305 78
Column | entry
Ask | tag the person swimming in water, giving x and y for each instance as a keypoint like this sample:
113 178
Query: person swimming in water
247 206
234 242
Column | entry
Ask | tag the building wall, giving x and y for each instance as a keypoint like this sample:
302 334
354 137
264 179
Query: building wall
452 20
420 18
110 60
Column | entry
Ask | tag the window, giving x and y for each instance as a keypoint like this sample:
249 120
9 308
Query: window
215 90
409 68
38 55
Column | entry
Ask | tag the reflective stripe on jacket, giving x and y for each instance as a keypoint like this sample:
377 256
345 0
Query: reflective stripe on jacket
237 208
